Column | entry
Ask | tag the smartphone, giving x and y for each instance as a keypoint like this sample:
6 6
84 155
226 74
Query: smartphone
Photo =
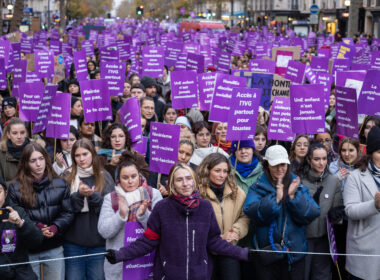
4 214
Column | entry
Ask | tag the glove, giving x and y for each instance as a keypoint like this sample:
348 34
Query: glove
110 256
317 194
251 255
336 214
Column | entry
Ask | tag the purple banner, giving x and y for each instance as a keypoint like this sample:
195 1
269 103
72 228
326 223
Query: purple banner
206 85
139 268
222 95
141 146
307 108
326 80
30 100
184 89
332 243
319 64
5 49
346 51
19 75
369 98
242 116
58 125
153 61
295 71
340 65
280 126
45 107
3 74
173 50
224 62
96 100
195 62
109 54
262 66
164 139
131 118
114 74
44 63
80 62
346 112
310 75
88 47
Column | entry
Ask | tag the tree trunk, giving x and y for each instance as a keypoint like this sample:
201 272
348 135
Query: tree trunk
245 13
62 14
17 15
219 9
1 18
232 13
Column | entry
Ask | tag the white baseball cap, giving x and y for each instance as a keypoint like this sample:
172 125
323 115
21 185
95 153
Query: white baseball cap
276 154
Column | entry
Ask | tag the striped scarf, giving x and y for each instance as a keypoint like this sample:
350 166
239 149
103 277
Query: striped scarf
189 202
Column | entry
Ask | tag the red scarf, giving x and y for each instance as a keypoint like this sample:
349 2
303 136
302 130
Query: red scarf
190 202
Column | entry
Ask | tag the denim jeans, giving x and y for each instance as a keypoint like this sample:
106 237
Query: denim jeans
88 268
52 269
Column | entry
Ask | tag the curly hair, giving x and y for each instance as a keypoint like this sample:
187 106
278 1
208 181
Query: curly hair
203 172
106 137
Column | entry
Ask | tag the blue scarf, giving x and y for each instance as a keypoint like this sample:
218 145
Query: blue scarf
245 169
108 153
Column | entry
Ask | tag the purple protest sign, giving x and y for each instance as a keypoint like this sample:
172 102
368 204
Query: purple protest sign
88 47
351 79
295 71
346 112
265 82
346 51
3 74
206 84
326 80
242 116
319 64
44 62
153 61
173 50
195 62
96 100
340 65
30 100
262 66
324 52
282 60
131 118
164 139
5 48
332 243
310 75
142 267
114 74
184 89
141 146
56 47
307 109
44 110
224 62
58 125
80 63
27 45
280 126
369 98
221 100
19 75
109 54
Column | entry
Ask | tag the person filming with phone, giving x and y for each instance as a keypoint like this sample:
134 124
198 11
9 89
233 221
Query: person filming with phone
18 234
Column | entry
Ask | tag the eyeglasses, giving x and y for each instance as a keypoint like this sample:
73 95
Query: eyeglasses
322 141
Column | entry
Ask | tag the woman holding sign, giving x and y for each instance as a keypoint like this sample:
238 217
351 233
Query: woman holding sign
219 132
125 210
280 207
184 230
89 183
362 206
325 189
217 185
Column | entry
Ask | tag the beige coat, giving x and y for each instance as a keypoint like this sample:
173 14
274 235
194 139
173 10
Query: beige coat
229 213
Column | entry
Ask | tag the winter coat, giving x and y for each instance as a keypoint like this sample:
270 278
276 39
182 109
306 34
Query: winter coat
52 207
245 183
27 237
183 239
84 229
334 169
330 196
8 166
261 206
112 228
363 233
229 213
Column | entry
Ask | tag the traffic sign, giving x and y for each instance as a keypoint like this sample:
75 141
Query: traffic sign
314 9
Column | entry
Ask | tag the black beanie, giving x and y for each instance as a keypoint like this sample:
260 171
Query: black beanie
148 81
373 140
9 101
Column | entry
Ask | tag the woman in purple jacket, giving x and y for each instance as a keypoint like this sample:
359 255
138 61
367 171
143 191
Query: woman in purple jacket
184 231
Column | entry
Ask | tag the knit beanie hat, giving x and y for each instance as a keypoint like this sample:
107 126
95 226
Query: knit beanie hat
243 144
9 101
148 81
373 140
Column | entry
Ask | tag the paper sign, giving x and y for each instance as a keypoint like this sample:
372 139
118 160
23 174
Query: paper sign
346 112
58 124
280 126
131 118
184 89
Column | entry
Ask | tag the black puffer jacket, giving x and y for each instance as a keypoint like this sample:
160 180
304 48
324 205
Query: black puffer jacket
27 237
52 207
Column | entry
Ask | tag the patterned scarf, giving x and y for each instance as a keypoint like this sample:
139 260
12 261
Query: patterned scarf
189 202
375 172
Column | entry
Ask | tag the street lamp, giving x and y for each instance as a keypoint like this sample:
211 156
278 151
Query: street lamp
347 3
10 7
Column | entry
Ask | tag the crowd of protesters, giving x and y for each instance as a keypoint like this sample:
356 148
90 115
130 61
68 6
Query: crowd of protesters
221 201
